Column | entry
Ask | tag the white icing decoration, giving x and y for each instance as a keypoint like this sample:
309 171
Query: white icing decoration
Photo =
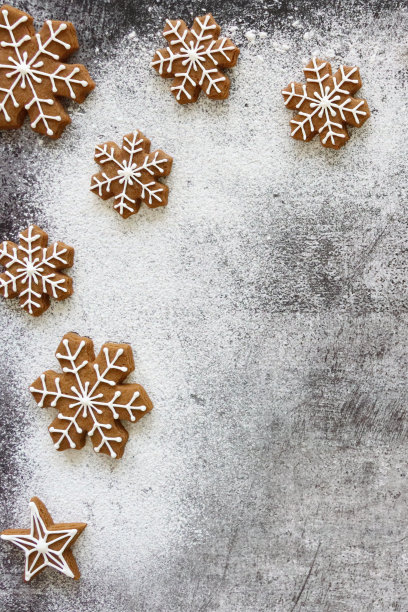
85 399
36 545
325 103
32 259
129 173
194 56
25 72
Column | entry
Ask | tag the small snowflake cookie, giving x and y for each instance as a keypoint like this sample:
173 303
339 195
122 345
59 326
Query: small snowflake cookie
46 544
326 104
33 270
194 57
89 396
129 174
33 75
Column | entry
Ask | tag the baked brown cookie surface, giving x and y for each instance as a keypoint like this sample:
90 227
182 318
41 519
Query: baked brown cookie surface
33 270
89 396
326 104
46 544
194 57
33 74
129 174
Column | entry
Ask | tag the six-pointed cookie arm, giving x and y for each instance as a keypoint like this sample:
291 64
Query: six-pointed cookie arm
134 147
8 253
59 256
53 390
11 112
354 111
9 258
17 28
50 390
47 115
108 437
57 285
205 28
184 88
223 53
333 134
302 127
65 431
177 35
113 363
132 404
295 95
75 354
163 62
33 239
158 163
56 40
214 83
68 81
8 286
347 78
109 156
318 74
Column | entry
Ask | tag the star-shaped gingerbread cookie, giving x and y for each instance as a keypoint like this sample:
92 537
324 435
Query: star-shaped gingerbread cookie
46 544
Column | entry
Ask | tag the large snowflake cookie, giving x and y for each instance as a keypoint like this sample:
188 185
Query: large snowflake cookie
129 174
89 397
33 74
33 270
46 544
194 57
325 104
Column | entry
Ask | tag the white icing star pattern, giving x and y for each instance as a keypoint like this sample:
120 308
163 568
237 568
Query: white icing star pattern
194 57
326 103
31 75
32 270
130 174
88 396
45 545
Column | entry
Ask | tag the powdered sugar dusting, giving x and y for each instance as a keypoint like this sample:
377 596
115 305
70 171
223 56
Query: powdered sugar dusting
214 293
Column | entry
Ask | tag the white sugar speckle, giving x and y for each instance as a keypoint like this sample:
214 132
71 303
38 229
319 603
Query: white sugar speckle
250 36
236 299
308 35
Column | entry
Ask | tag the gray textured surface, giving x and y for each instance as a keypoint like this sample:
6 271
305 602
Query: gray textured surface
285 415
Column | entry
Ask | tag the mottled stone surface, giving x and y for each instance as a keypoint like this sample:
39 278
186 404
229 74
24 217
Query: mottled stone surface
267 308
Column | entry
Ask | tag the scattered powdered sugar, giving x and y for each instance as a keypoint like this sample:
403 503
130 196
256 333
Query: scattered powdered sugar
250 36
194 288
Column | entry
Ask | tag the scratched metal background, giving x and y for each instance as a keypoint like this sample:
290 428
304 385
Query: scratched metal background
318 519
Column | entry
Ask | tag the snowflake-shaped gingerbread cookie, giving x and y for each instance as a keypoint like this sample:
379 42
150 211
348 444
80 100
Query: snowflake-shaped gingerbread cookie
33 270
33 75
46 544
129 174
194 57
326 104
89 396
